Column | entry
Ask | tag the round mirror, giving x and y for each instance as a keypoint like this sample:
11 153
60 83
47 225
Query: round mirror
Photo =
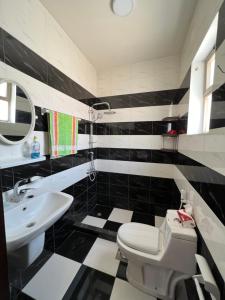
17 114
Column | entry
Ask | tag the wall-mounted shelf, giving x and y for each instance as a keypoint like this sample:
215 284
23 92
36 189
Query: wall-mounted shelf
170 141
19 161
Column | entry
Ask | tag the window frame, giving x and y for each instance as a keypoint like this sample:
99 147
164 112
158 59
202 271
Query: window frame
208 89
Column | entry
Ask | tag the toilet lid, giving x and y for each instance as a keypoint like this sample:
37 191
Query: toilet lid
144 238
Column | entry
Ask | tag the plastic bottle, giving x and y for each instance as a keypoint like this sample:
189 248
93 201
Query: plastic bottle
35 148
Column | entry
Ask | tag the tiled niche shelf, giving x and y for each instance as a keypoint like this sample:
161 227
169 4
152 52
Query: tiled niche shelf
173 137
19 161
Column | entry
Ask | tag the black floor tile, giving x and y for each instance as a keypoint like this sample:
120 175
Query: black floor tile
77 246
90 284
121 272
143 218
113 226
101 211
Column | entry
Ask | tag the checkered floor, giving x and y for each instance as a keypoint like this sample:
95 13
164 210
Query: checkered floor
85 266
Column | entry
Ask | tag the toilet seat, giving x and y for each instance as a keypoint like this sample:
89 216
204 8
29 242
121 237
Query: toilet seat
144 238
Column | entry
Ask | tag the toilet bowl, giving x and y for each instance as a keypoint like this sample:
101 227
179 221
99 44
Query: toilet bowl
158 258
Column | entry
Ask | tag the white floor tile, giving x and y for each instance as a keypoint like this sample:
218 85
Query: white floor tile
158 221
120 215
53 279
93 221
102 257
124 290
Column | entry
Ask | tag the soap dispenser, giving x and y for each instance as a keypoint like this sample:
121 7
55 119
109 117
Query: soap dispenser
35 148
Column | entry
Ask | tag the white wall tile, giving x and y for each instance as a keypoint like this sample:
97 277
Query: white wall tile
129 141
135 168
208 149
31 23
212 230
145 76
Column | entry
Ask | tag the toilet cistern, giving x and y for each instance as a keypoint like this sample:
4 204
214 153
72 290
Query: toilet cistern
158 258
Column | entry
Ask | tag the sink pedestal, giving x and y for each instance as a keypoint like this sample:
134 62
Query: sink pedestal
26 255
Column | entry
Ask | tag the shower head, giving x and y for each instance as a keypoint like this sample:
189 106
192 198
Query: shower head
109 112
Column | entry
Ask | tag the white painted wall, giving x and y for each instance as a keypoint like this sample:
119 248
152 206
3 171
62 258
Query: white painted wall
30 22
145 76
204 14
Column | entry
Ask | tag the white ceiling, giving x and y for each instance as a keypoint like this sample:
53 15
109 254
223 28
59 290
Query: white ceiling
155 28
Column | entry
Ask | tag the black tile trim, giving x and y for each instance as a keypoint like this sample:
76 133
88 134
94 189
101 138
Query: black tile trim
139 128
9 176
156 98
208 183
144 155
19 56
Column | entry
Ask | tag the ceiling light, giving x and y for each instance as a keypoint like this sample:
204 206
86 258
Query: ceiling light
122 8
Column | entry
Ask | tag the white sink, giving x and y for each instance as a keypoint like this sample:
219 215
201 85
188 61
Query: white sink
29 219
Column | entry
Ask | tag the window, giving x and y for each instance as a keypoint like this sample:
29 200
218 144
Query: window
4 104
209 75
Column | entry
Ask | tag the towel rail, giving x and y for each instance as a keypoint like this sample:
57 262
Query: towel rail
46 110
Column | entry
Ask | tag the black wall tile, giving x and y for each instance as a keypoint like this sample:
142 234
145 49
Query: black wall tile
103 153
139 181
119 179
103 128
103 199
1 46
162 184
103 188
120 202
81 157
118 191
138 194
84 127
140 155
41 123
42 168
141 128
120 128
7 179
221 23
80 187
163 157
186 81
165 97
62 163
118 154
22 58
141 206
103 177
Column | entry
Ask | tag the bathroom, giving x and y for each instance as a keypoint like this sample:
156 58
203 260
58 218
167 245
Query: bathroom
112 170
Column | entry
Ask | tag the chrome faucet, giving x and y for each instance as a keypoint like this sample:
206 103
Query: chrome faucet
18 194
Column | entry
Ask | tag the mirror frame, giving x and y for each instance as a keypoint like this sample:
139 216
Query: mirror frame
33 116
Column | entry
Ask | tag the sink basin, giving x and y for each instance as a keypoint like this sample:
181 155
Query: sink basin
29 219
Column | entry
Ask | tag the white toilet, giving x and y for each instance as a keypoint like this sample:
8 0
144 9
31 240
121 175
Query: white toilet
158 258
